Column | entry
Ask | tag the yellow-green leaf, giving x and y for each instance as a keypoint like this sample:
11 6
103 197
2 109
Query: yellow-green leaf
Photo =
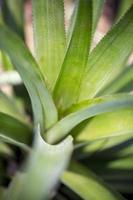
87 185
68 84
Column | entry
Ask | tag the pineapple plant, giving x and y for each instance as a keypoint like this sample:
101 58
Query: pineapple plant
79 143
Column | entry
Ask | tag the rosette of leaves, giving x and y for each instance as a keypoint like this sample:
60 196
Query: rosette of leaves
79 104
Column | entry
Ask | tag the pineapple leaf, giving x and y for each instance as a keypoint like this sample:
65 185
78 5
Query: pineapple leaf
49 37
8 106
122 163
13 131
107 125
117 172
66 91
87 185
97 10
106 59
123 82
12 12
116 146
44 167
123 7
44 109
86 110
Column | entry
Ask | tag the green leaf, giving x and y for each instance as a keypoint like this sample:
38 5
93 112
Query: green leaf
118 147
107 58
44 167
8 106
49 37
123 7
66 91
106 147
118 173
127 150
44 109
87 185
108 125
123 163
86 110
97 11
13 131
122 82
13 15
6 63
112 169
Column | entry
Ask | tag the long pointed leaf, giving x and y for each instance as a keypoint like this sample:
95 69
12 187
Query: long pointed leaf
49 37
122 82
108 125
97 10
107 147
13 131
124 163
7 106
123 7
44 167
117 173
66 91
106 59
13 15
87 110
44 109
87 185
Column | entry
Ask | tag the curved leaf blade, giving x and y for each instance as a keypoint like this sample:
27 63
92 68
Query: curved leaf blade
108 125
44 167
14 131
118 173
87 185
87 110
107 147
44 109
